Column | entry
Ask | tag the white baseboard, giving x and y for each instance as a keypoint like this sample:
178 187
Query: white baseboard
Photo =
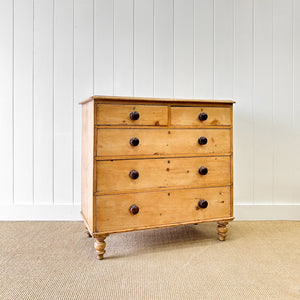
40 213
267 212
72 212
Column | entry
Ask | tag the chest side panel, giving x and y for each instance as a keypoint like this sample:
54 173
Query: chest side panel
87 164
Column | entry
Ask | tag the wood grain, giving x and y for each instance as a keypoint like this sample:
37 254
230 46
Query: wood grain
161 208
120 114
155 100
100 245
118 157
88 231
144 173
162 141
87 172
169 126
86 225
113 176
222 230
190 116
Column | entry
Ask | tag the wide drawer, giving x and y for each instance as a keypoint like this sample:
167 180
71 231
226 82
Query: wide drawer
112 142
114 175
160 208
189 116
113 114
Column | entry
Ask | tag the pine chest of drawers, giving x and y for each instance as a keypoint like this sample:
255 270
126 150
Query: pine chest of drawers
149 163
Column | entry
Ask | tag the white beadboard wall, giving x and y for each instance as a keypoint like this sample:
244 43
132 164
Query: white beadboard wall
55 53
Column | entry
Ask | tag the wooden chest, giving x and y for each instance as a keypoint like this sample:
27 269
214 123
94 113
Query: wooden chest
149 163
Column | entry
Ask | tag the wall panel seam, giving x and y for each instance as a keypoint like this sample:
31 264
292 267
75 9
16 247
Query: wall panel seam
153 49
13 102
233 43
93 70
173 48
33 107
113 46
273 98
234 50
73 100
53 104
214 51
252 97
293 62
133 47
194 77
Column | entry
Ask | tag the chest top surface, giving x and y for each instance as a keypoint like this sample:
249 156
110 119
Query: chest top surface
125 99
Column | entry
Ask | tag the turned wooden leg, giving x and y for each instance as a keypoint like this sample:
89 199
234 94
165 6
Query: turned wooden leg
222 230
100 245
87 231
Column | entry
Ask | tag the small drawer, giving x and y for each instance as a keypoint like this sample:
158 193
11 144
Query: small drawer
152 209
113 114
134 142
201 116
147 174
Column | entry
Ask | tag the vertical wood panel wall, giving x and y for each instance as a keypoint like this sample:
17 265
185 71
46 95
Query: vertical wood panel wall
54 54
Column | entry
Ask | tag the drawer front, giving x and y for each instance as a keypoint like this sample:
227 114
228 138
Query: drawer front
189 116
112 114
160 208
112 142
114 175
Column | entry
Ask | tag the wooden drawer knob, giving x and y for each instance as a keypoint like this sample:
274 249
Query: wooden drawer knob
203 171
134 209
134 141
203 203
203 116
134 115
202 140
134 174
